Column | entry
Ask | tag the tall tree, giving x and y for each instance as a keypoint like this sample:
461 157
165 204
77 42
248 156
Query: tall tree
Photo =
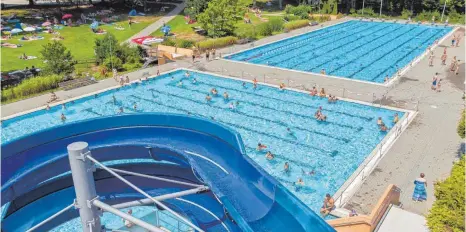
195 7
220 17
31 2
59 59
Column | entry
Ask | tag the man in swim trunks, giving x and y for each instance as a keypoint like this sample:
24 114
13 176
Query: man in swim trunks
383 128
194 81
63 117
180 84
208 98
395 119
286 168
444 59
282 86
225 95
379 121
269 156
313 91
261 147
328 206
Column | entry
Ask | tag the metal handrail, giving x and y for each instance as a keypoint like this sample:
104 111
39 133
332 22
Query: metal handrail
50 218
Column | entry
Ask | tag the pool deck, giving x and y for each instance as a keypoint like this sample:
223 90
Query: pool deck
430 144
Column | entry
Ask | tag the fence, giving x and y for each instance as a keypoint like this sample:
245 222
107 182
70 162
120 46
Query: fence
171 223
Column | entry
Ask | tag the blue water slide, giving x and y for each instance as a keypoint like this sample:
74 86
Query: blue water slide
243 197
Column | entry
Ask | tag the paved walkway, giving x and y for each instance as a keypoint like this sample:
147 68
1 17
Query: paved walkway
429 145
159 23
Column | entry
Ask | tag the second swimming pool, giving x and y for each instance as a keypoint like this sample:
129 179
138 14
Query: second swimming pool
332 150
360 50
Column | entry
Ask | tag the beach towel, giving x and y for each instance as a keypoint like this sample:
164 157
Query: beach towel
420 193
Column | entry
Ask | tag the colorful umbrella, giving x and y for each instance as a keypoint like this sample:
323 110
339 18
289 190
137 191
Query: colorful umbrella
16 30
67 16
94 25
29 29
46 24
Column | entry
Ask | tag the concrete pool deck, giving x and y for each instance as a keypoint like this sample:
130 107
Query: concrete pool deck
430 144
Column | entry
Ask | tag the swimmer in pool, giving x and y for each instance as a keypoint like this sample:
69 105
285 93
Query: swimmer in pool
395 119
180 84
63 117
173 78
269 156
282 86
47 107
386 79
237 103
328 206
286 167
214 92
135 107
300 182
208 98
63 106
311 173
322 71
244 84
187 74
194 81
96 95
254 85
121 110
261 147
225 96
114 99
254 81
289 131
379 121
383 128
231 106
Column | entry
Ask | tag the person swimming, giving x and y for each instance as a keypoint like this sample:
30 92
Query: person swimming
313 92
254 81
208 98
254 85
187 74
47 107
214 92
63 117
180 84
244 84
383 128
114 99
311 173
63 106
194 81
96 95
121 110
269 156
300 182
286 167
225 95
322 93
261 147
395 119
379 121
135 106
322 71
289 132
231 106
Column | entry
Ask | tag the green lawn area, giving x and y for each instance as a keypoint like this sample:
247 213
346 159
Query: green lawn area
79 40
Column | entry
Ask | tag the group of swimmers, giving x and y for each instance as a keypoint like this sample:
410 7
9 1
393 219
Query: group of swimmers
319 115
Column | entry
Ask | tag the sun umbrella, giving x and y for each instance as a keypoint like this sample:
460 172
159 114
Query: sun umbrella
67 16
29 29
94 25
46 24
132 12
16 30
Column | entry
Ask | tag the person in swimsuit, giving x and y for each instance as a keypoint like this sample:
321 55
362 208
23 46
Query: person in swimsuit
47 107
180 83
453 41
444 59
63 117
311 173
127 223
214 92
395 118
194 81
261 147
434 82
383 128
286 167
114 99
187 74
322 93
313 91
431 59
135 106
225 95
328 206
244 84
121 110
323 72
300 182
379 121
282 86
453 64
269 156
208 98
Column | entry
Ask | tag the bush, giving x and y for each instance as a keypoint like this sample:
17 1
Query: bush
290 17
131 66
216 43
324 18
461 127
31 86
113 62
247 31
169 42
447 212
405 14
276 24
183 43
264 29
455 17
340 15
302 10
296 24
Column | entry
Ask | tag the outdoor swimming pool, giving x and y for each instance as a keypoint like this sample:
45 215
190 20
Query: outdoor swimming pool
359 50
333 149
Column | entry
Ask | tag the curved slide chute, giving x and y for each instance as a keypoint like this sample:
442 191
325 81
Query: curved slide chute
243 197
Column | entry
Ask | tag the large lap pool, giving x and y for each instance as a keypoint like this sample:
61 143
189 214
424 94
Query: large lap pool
332 149
359 50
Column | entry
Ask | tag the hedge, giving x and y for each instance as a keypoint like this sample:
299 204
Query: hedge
31 86
296 24
216 43
447 212
461 127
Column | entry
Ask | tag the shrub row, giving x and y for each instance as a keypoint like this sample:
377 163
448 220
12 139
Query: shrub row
302 10
31 86
180 43
268 28
216 43
296 24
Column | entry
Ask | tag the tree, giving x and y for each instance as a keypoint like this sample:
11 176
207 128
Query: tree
31 2
59 59
220 17
195 7
106 47
447 213
461 127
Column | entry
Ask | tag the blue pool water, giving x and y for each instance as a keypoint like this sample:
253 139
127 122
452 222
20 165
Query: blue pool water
333 149
358 50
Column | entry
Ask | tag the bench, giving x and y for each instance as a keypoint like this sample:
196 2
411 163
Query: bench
76 83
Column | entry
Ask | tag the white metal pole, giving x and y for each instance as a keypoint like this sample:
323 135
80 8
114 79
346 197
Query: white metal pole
363 8
159 198
381 3
50 218
126 216
83 180
145 194
443 12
